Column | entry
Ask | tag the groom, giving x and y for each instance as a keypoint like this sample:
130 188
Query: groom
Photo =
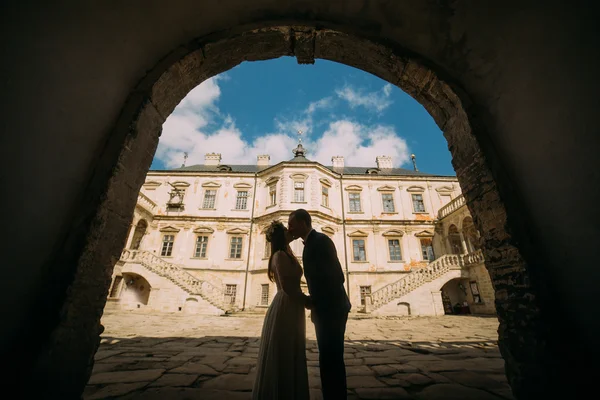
328 301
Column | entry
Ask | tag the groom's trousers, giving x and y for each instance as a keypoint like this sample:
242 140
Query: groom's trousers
330 340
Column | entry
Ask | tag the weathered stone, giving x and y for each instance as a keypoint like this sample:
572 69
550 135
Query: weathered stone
453 392
472 379
364 382
195 368
383 393
230 382
175 380
191 394
361 370
415 379
115 389
126 376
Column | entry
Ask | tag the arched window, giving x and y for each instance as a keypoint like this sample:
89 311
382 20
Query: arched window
454 239
138 235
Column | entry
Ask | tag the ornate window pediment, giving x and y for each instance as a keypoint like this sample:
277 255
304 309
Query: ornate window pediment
393 232
444 189
328 230
299 177
325 182
180 184
415 188
424 233
386 188
272 180
237 231
211 184
203 229
242 185
169 228
358 233
151 185
354 188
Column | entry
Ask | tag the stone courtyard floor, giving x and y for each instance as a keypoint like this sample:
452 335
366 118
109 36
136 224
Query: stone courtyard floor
168 356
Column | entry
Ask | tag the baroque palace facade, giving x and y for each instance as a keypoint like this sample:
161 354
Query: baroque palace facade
405 239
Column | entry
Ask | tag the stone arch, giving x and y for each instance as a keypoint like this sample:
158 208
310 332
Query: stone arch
454 240
140 122
135 292
470 234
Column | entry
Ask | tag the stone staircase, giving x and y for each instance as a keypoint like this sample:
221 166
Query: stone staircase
420 277
179 277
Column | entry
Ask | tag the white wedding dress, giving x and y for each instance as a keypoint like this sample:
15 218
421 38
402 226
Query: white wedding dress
281 371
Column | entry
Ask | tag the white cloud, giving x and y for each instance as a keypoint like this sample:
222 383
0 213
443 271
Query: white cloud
197 127
373 101
359 144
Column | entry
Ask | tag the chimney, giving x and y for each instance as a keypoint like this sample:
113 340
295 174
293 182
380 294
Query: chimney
263 160
212 159
384 162
338 161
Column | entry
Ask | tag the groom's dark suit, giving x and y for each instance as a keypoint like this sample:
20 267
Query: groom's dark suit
330 307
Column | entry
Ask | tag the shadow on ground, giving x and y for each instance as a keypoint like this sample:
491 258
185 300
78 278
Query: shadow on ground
222 367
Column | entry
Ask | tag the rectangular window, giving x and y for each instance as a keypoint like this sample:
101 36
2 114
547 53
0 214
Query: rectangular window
209 199
325 196
395 252
418 204
235 249
267 248
358 246
230 293
354 202
388 202
114 291
242 200
445 199
427 250
364 292
264 295
299 192
272 195
201 245
167 245
475 292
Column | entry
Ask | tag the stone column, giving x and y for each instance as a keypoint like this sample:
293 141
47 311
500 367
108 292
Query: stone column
463 243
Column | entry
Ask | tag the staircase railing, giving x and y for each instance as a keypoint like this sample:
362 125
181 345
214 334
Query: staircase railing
415 279
179 276
449 208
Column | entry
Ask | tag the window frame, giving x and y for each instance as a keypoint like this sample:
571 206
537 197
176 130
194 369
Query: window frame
226 293
264 301
393 203
412 196
272 194
302 190
164 250
364 241
399 239
324 196
239 198
214 200
364 290
350 201
241 247
205 243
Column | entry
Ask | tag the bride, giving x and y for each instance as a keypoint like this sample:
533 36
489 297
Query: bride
281 372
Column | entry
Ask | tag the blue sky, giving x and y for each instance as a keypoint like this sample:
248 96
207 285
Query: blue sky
258 107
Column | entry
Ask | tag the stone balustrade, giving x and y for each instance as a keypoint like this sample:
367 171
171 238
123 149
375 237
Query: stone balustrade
146 202
449 208
177 275
473 258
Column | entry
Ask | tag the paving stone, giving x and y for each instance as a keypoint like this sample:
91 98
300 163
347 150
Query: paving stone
505 393
241 361
404 367
102 354
383 393
472 379
191 394
384 370
230 382
355 382
115 389
419 357
195 368
353 361
360 370
378 361
437 366
453 392
415 379
126 376
175 380
102 367
237 369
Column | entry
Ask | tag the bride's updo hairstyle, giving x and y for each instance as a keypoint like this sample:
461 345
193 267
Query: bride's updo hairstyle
276 236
